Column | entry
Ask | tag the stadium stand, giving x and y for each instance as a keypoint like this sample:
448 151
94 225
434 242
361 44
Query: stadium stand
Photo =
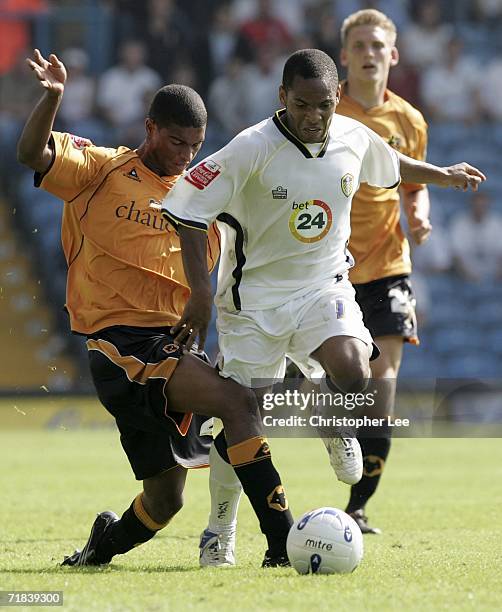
34 352
461 333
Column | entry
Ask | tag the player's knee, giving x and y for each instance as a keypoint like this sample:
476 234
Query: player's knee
166 507
173 505
354 376
241 406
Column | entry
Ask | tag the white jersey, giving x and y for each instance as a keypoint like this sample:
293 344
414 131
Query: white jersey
283 211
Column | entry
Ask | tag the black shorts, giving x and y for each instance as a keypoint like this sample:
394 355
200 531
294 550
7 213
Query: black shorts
130 367
388 306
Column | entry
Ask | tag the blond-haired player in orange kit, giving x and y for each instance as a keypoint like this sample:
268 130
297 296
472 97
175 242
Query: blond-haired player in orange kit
377 243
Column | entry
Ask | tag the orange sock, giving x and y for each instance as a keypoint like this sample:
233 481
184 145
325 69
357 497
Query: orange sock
249 451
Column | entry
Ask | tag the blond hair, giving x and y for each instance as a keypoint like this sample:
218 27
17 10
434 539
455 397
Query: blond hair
370 17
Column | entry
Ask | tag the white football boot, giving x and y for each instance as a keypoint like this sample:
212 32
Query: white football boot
217 549
346 458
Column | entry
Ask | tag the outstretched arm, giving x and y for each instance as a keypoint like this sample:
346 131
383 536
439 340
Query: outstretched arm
461 176
197 313
32 148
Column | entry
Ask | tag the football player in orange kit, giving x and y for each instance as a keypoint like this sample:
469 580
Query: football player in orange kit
126 291
377 243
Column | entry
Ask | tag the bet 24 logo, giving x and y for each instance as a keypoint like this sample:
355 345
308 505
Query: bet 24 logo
310 221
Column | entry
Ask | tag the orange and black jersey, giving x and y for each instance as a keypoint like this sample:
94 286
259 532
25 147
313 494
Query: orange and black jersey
124 259
377 241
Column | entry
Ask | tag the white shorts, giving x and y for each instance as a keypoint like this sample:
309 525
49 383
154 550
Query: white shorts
254 343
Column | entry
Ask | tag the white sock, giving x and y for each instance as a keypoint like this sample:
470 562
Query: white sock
225 490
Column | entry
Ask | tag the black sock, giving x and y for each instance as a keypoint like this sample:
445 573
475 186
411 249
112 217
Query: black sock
375 451
261 482
125 534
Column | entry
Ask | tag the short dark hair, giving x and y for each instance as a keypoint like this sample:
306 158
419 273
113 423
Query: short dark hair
309 64
178 104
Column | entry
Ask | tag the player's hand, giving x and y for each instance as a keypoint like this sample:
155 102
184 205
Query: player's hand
463 176
51 73
419 230
194 321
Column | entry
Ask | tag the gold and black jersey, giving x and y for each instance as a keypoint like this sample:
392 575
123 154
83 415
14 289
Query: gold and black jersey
377 241
124 259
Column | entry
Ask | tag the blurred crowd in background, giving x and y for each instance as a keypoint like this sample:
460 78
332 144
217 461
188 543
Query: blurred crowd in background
118 52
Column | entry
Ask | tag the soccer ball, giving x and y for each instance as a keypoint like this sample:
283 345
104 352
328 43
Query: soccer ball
325 541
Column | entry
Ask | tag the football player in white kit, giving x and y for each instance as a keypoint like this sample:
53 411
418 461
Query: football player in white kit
280 193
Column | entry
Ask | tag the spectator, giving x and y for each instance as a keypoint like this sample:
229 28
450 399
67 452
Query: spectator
259 86
226 101
405 82
17 93
325 32
165 33
221 39
475 241
491 92
424 43
15 29
263 30
487 10
80 90
433 257
124 88
78 105
214 46
422 298
290 12
450 90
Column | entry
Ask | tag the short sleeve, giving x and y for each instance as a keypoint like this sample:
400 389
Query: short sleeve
75 163
380 164
207 189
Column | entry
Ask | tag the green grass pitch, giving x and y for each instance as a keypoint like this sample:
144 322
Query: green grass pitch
439 505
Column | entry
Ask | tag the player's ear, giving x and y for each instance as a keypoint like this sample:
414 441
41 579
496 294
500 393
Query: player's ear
338 94
394 56
149 126
282 95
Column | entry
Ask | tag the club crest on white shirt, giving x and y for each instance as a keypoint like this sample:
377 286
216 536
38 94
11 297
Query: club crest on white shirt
347 183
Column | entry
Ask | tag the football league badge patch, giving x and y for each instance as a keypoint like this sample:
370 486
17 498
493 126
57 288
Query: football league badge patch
347 184
204 174
80 143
